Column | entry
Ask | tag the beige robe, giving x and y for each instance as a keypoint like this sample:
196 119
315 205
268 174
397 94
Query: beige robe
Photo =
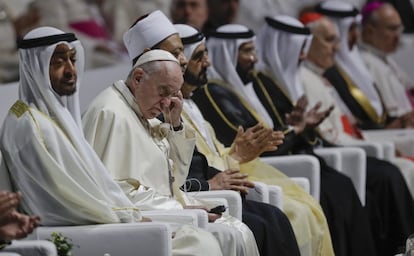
305 215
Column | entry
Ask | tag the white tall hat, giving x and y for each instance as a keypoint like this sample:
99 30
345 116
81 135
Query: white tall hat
147 32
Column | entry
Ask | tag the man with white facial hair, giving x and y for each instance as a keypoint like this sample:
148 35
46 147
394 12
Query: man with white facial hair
386 189
154 155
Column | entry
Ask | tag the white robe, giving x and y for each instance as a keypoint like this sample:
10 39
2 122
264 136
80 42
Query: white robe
58 184
318 89
137 158
389 80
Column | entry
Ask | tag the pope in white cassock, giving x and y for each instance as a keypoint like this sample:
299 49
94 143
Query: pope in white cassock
50 162
149 158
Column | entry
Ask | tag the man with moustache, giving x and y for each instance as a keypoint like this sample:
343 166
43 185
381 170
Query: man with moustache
272 230
311 232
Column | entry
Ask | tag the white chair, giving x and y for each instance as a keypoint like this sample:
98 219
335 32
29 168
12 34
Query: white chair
299 166
32 248
264 193
403 139
232 199
352 162
119 239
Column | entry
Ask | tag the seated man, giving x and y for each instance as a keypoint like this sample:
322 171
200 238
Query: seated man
303 212
360 103
47 159
155 156
381 32
46 154
233 53
270 226
387 192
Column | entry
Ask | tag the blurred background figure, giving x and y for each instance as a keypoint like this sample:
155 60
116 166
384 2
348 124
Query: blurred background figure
220 12
122 13
190 12
16 18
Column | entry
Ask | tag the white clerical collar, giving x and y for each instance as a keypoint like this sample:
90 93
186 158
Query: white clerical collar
315 69
130 99
373 50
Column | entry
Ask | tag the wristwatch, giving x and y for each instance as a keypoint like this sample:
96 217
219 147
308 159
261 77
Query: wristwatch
178 128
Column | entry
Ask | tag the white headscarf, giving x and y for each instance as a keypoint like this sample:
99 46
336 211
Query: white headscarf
190 37
343 15
35 87
279 45
223 53
36 91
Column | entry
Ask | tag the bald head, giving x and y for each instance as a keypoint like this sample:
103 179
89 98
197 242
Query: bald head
324 44
382 29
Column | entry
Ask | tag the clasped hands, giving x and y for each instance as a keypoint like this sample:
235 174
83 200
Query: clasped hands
14 225
251 143
302 120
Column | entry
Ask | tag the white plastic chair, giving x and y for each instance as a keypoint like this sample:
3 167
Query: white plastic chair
352 162
299 166
119 239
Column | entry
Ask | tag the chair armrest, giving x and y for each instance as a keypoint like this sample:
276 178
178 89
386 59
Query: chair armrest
332 157
403 139
270 194
31 247
374 149
233 200
389 150
276 196
259 193
177 218
299 166
351 162
122 239
303 183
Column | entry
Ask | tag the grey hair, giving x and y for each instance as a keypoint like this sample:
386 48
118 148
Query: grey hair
373 19
151 67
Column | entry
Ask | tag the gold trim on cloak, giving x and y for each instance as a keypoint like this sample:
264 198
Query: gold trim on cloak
363 100
218 110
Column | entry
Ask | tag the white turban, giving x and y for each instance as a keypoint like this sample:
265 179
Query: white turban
343 15
279 46
147 32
